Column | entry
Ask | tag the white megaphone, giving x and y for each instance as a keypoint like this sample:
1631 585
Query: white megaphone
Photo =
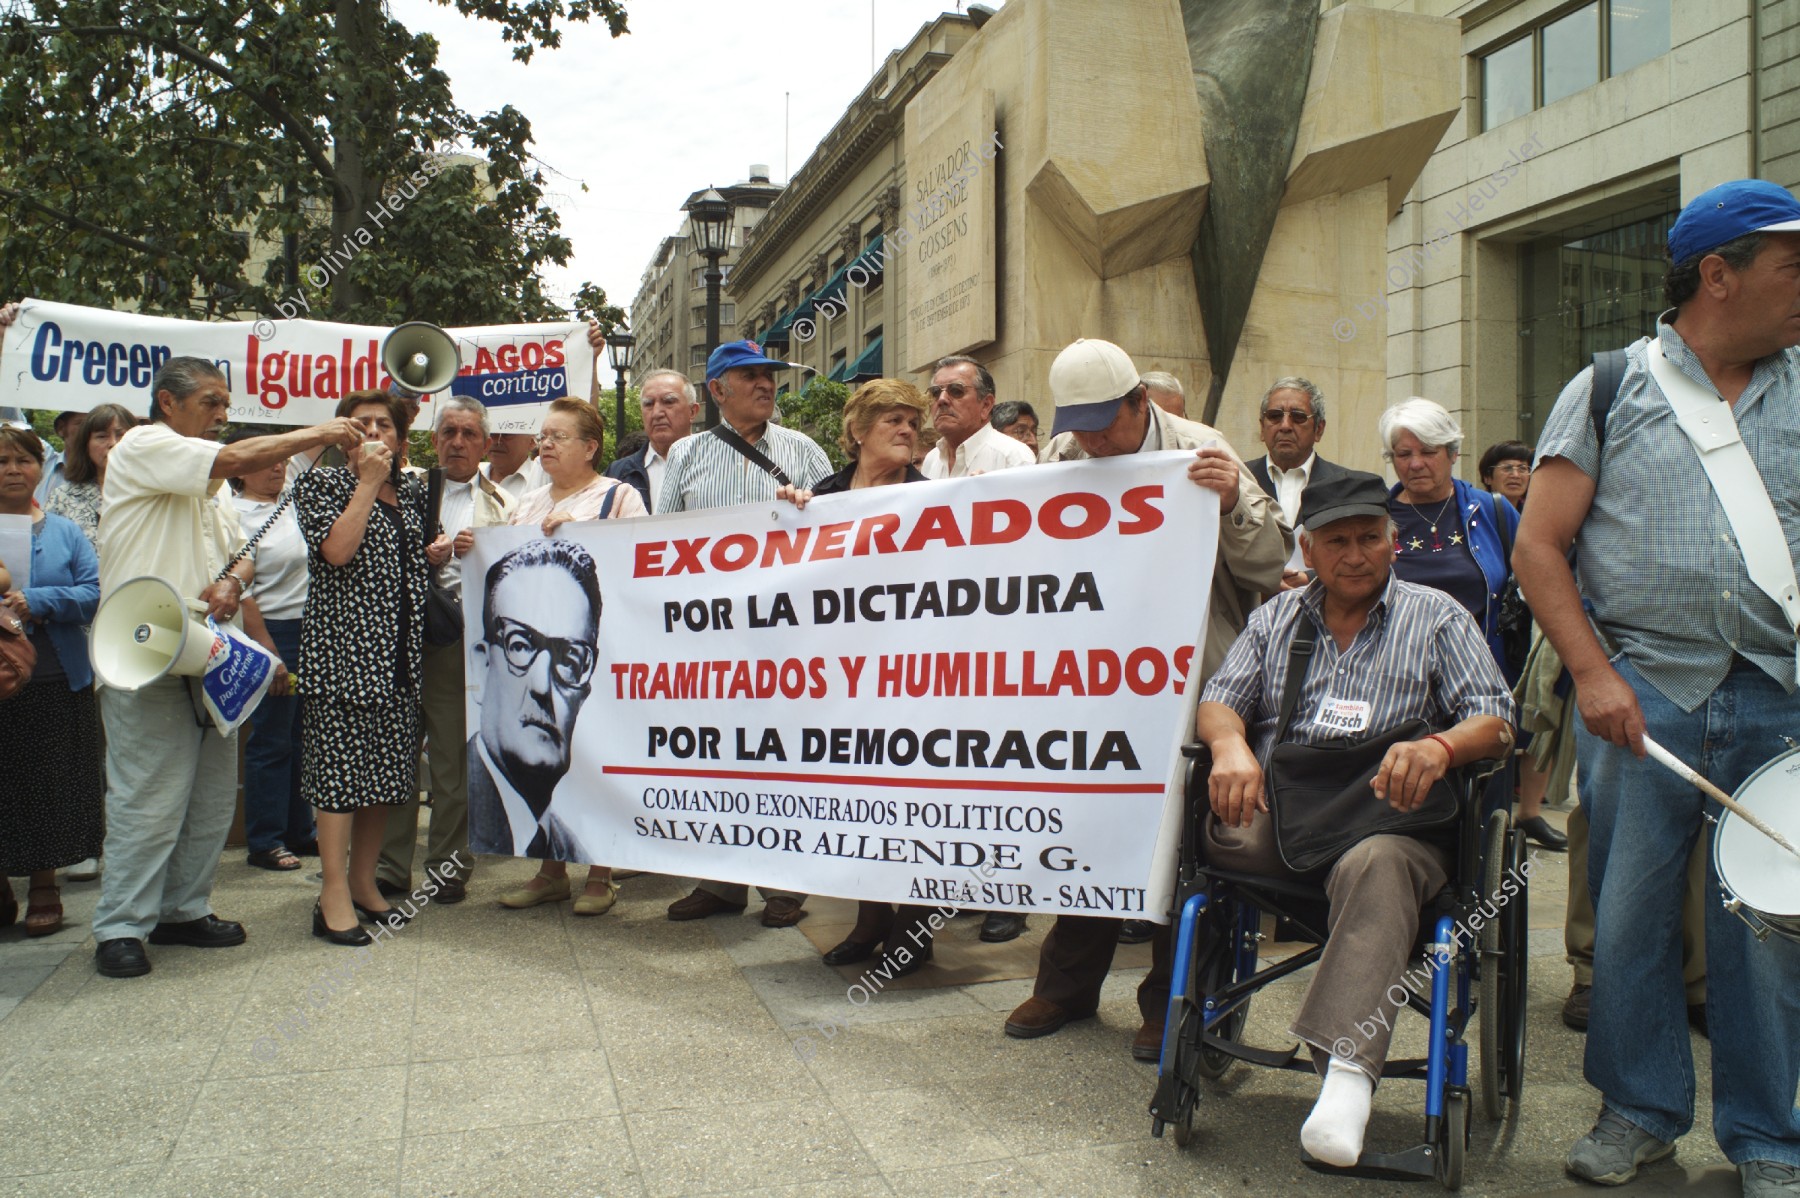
144 631
420 358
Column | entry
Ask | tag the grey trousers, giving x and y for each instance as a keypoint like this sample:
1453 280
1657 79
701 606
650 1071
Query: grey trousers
444 723
1377 890
171 790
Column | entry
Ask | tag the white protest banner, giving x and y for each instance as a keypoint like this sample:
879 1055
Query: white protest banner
66 358
969 692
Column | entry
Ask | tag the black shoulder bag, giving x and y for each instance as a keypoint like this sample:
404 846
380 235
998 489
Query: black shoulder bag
1319 795
729 435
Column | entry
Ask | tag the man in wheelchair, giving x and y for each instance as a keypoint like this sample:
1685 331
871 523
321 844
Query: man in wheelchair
1395 661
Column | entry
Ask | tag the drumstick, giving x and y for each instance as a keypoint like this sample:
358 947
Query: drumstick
1663 757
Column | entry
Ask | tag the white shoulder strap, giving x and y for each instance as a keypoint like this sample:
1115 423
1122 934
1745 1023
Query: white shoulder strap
1709 423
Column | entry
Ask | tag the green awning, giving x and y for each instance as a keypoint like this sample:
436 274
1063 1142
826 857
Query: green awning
778 332
868 366
837 375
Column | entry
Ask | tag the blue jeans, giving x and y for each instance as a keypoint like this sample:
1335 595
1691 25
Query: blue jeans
1643 821
274 812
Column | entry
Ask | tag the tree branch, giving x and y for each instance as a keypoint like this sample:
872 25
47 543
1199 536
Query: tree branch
265 100
86 226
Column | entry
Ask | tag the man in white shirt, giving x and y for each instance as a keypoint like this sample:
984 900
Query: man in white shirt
512 464
171 779
1291 422
962 399
470 501
670 408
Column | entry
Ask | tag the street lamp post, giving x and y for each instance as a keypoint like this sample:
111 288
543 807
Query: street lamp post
709 215
618 347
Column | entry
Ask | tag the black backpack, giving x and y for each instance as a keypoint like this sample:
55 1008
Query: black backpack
1609 372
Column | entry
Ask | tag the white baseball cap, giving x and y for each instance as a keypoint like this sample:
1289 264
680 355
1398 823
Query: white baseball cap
1089 380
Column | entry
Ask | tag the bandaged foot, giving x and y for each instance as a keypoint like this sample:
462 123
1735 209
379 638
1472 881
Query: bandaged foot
1333 1133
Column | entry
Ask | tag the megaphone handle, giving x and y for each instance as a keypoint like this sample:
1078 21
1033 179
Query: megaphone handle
197 607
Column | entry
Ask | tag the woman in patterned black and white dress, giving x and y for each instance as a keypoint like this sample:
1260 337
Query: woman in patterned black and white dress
361 642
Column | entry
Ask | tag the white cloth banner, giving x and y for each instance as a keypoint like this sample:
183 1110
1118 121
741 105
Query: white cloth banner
970 692
66 358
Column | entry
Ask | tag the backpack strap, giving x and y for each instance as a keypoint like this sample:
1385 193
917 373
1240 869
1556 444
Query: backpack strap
1609 372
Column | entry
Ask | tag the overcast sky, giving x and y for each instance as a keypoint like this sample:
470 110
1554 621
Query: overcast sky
689 98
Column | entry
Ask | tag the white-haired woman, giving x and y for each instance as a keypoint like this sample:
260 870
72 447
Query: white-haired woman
1449 533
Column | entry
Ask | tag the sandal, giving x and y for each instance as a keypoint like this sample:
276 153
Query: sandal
278 859
41 919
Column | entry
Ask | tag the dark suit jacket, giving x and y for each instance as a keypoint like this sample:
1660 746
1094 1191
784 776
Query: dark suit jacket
633 470
491 832
1322 470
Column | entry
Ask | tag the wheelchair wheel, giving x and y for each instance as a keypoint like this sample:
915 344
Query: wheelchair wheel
1455 1142
1502 943
1516 932
1493 996
1210 977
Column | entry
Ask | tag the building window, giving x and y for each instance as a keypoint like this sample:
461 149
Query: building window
1637 32
1572 52
1580 296
872 336
837 362
1506 84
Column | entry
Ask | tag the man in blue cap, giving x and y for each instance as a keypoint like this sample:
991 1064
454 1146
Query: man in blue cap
743 459
1683 501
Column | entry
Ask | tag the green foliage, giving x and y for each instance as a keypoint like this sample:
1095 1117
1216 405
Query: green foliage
818 411
634 418
148 147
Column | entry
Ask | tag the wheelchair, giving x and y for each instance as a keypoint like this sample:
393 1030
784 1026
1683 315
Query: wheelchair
1216 973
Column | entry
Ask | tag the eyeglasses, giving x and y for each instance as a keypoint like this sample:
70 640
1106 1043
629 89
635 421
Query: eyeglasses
1299 417
571 662
557 438
955 390
1512 468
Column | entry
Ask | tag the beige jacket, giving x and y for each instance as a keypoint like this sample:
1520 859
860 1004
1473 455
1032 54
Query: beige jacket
1255 540
493 506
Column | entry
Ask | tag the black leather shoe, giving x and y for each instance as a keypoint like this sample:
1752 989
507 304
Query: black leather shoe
121 958
451 889
1001 926
209 931
393 918
391 889
850 952
353 938
1538 828
917 955
1136 931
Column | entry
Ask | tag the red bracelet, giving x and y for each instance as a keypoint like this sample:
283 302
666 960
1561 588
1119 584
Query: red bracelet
1447 749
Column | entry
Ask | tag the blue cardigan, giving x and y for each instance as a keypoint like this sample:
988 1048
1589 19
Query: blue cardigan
1479 510
65 591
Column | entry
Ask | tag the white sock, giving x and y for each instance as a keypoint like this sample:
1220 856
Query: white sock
1333 1133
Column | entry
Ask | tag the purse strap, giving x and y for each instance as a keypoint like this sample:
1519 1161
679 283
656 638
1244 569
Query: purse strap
729 435
1300 655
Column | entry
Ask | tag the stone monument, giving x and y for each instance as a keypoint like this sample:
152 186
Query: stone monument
1202 181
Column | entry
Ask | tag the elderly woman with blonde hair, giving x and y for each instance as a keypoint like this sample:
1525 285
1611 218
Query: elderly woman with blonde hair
882 423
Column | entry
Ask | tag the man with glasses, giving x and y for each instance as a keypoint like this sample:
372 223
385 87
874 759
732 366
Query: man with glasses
744 458
1293 420
962 399
535 664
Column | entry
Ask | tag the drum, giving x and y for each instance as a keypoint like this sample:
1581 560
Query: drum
1759 878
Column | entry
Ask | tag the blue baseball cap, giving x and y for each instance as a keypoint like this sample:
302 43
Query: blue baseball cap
740 353
1730 211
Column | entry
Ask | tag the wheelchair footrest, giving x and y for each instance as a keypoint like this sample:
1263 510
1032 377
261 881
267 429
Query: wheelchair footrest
1415 1164
1267 1057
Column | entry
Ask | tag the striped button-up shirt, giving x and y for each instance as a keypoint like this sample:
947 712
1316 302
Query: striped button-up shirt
1656 555
1419 657
705 472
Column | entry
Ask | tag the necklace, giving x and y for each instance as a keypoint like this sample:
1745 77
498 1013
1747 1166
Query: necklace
1434 521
